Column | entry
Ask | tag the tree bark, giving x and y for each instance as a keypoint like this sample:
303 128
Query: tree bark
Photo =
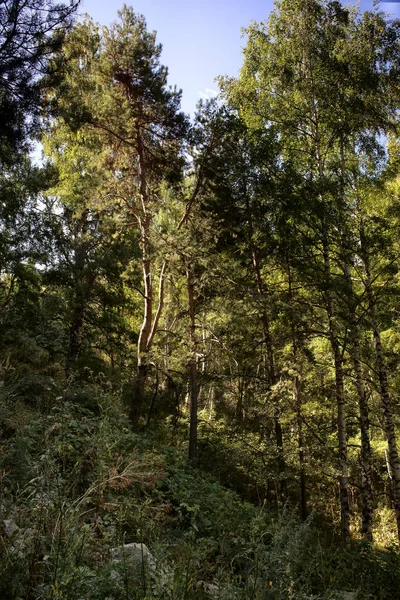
193 390
145 341
297 398
75 331
272 377
300 441
80 295
394 462
138 393
366 471
145 330
340 401
281 462
334 341
149 325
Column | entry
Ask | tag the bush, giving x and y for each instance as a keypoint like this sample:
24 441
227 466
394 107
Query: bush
76 482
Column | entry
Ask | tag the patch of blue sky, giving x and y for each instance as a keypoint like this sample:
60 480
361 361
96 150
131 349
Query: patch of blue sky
392 8
201 40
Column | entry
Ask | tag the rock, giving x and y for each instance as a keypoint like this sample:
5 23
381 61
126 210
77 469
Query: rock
9 527
134 557
28 534
209 588
134 554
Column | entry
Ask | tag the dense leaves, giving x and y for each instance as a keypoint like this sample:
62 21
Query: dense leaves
223 290
29 33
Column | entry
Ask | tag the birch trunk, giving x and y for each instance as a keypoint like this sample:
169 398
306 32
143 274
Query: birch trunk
193 391
340 403
393 454
366 472
337 355
297 398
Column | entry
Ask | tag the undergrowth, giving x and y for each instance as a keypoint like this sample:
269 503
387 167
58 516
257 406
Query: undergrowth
76 483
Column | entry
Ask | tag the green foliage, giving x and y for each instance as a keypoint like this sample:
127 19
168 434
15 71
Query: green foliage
77 482
30 33
277 244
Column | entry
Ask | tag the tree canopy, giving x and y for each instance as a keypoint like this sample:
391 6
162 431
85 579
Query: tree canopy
200 328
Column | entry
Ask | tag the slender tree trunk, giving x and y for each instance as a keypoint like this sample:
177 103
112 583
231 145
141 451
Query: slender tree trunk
366 472
146 336
193 389
138 393
80 299
297 398
239 410
393 454
145 330
337 355
340 403
144 221
272 379
75 331
300 441
270 357
149 325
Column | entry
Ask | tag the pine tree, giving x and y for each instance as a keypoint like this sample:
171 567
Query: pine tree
115 91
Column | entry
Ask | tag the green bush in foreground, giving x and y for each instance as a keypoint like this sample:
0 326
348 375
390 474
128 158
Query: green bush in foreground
76 482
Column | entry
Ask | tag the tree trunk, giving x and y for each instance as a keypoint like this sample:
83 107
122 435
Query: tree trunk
149 325
300 441
272 381
193 391
138 394
281 462
80 297
146 336
239 410
340 403
366 472
334 341
297 398
145 330
394 462
75 331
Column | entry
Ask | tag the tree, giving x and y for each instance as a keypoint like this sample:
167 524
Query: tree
119 88
30 32
322 80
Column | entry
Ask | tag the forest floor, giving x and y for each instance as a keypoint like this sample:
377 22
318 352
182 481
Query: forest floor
77 484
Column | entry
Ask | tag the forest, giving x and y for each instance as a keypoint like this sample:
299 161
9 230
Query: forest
200 316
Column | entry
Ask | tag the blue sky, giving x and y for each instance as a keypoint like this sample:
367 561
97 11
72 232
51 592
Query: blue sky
201 40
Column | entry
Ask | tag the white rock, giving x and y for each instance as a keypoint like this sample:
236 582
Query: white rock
209 588
9 527
345 596
134 554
